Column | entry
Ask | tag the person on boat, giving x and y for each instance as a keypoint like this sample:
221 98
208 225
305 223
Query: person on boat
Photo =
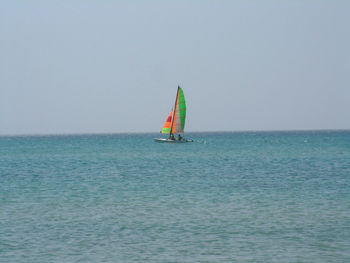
172 137
179 138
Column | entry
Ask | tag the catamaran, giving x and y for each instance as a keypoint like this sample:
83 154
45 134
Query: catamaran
175 122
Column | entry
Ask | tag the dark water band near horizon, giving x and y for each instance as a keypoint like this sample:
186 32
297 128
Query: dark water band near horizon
226 197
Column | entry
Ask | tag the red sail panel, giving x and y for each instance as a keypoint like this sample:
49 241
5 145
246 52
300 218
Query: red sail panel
176 111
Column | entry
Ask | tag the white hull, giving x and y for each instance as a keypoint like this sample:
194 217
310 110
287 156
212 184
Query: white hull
171 141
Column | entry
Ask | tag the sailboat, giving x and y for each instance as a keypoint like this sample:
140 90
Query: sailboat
175 122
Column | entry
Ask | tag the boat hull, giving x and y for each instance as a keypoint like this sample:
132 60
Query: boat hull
162 140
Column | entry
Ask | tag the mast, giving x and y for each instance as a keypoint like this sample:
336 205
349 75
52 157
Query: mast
172 119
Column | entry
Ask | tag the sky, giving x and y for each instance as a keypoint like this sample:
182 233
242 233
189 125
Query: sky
114 66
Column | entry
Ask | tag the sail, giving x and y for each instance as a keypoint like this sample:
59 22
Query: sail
167 125
180 113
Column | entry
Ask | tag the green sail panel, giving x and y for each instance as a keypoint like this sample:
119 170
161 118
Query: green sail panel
180 113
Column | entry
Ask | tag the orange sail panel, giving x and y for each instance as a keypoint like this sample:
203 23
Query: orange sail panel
167 125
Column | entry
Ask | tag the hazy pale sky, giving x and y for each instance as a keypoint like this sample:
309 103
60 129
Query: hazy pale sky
114 66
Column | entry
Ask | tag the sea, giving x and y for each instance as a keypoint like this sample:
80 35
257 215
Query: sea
226 197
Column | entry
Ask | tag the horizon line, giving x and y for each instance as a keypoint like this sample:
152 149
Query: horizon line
150 132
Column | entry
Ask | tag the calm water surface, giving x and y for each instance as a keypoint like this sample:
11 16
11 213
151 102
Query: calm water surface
227 197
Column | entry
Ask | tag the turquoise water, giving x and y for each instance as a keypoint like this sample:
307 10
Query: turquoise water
227 197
